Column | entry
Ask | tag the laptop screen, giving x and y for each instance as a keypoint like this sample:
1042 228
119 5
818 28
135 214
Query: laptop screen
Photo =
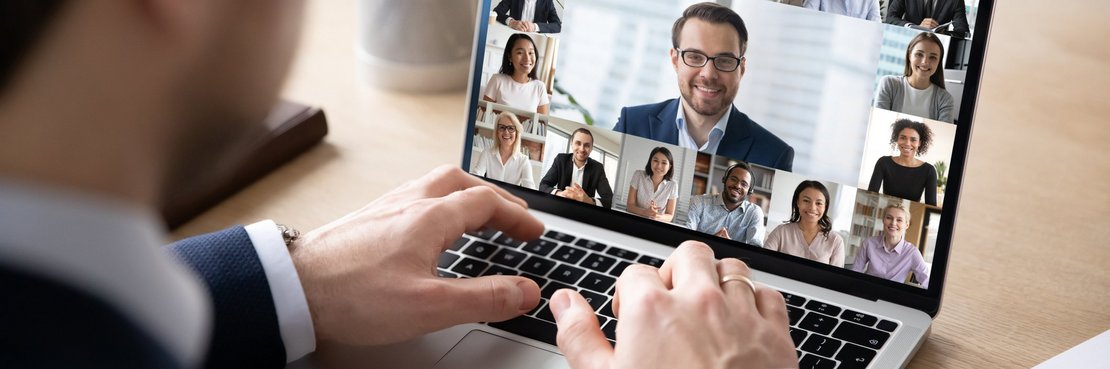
820 130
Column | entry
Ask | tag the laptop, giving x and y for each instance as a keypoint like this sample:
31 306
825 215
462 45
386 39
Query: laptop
831 103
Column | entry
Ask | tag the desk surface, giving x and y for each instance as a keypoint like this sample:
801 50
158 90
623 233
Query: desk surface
1027 277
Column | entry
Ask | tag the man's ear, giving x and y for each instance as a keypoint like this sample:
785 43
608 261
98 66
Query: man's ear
743 65
675 59
179 21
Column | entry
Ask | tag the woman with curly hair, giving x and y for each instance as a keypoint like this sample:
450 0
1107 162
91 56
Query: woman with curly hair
905 175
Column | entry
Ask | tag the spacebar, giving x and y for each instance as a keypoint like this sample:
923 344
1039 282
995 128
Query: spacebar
529 327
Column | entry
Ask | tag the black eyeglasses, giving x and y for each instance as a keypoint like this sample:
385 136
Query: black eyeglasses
698 59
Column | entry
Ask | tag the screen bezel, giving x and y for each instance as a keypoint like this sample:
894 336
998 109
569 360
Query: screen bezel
839 279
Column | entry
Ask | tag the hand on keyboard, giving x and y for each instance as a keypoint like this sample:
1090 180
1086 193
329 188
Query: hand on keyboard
680 316
369 277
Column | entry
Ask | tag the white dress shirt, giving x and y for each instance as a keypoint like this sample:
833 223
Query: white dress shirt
517 170
529 12
113 251
715 135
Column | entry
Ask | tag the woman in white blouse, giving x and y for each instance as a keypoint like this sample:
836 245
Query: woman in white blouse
504 161
516 84
652 194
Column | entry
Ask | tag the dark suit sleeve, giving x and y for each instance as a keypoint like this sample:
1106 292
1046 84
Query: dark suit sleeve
245 333
551 22
551 178
895 11
604 191
960 28
786 160
620 127
502 11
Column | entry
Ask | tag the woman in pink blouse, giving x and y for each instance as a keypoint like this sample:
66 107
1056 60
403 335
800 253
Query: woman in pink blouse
809 233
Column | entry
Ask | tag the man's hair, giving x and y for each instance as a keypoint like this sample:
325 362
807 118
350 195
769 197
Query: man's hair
712 13
925 135
22 23
584 131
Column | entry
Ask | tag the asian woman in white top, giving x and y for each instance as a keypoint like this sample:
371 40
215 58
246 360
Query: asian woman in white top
652 193
504 161
920 90
516 84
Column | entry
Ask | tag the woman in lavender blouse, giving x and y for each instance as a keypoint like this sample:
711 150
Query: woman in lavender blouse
889 255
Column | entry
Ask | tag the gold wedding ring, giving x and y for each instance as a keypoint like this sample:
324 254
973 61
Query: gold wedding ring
738 278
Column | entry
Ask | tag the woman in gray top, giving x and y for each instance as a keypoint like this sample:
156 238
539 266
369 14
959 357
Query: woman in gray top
920 90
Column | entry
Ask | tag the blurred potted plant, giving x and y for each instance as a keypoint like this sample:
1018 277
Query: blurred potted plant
942 180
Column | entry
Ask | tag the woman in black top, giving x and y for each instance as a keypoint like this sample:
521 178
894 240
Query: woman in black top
905 175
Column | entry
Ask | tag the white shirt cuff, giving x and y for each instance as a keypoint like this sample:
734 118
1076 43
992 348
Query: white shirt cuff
294 319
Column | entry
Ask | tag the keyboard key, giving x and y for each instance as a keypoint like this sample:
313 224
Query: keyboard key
617 270
792 299
597 282
854 357
504 239
567 274
485 234
598 262
459 243
540 247
446 274
601 321
537 266
446 259
622 253
819 323
500 270
887 325
858 317
553 286
540 281
529 327
558 236
821 345
607 310
860 335
480 250
539 306
592 245
508 257
596 301
798 336
795 314
816 362
569 255
823 308
653 261
545 313
610 329
470 267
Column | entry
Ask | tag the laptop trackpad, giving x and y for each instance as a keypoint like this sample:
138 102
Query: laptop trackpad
484 350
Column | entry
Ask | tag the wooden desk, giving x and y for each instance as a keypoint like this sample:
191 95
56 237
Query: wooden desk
1028 274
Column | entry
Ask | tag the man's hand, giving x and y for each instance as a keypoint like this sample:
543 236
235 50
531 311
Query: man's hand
369 277
929 23
518 25
680 316
722 233
530 26
575 192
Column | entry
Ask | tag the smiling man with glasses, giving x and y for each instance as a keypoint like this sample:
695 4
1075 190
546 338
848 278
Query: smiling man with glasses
708 58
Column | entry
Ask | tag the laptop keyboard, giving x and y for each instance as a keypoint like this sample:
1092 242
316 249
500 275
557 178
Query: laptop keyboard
825 335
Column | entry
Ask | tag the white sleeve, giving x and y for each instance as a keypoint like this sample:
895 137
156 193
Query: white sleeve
294 319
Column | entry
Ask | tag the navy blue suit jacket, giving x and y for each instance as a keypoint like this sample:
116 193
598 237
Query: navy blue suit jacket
743 140
48 324
546 18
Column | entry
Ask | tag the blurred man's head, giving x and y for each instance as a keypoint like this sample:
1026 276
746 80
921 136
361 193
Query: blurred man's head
170 87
